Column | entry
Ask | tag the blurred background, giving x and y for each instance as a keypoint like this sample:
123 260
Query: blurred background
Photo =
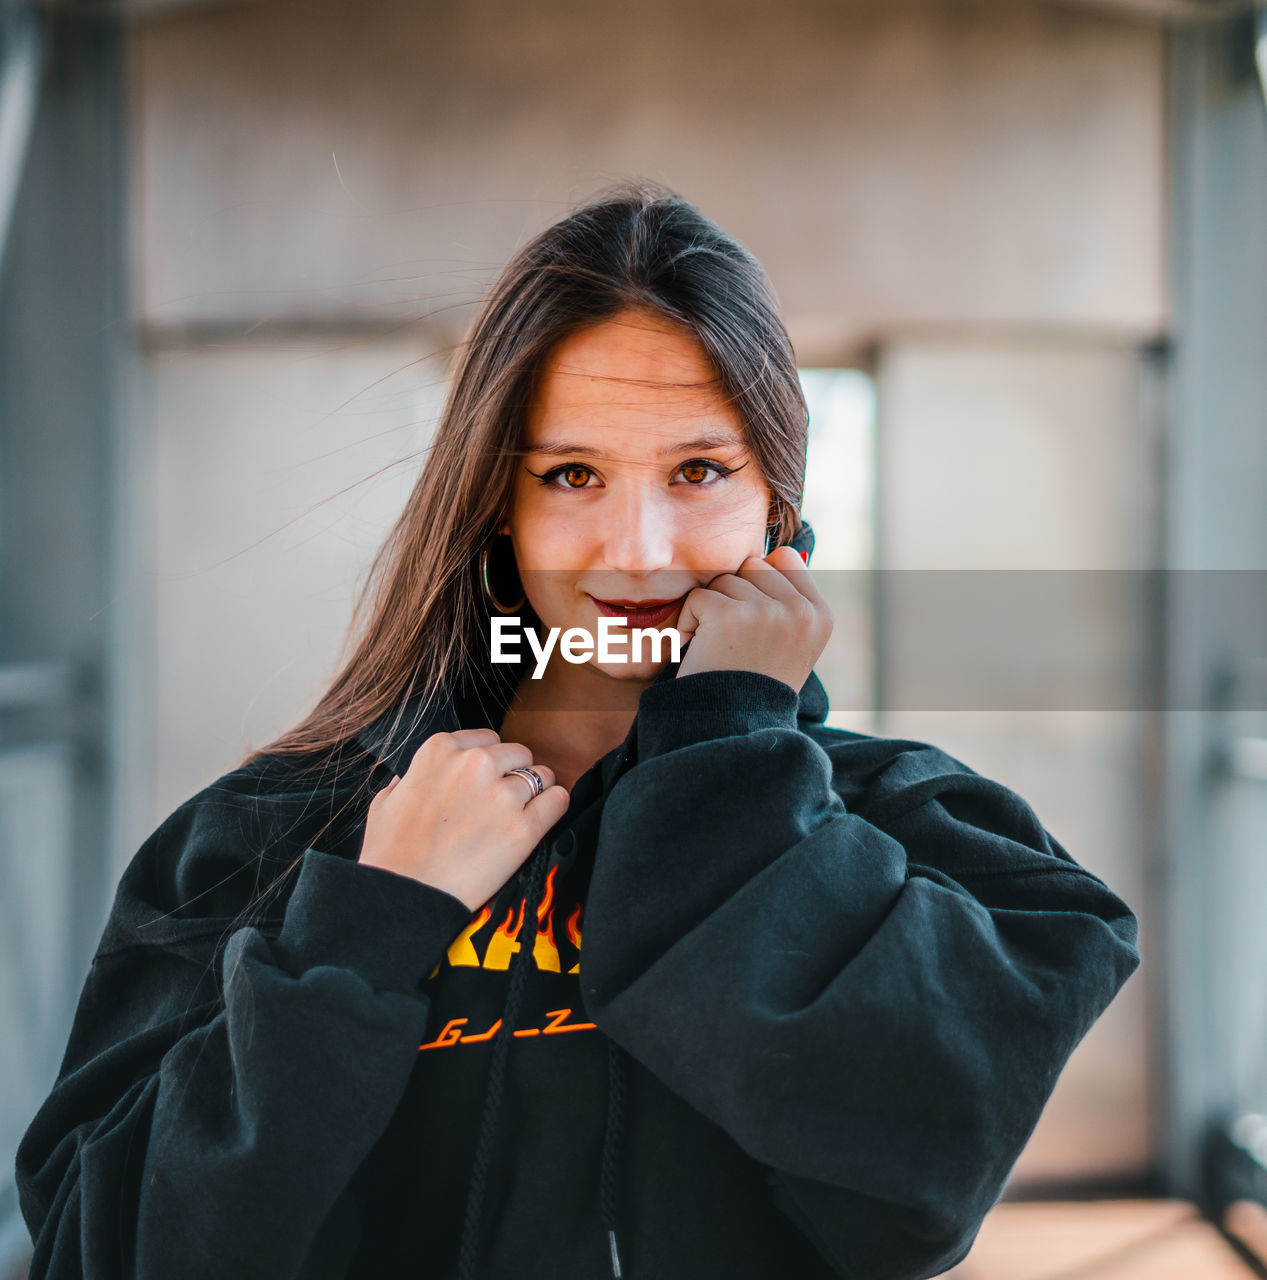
1021 246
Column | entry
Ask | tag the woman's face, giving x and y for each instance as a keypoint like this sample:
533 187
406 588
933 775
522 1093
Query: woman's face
636 484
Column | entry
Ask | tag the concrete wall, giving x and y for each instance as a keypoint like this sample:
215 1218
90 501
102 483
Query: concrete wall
273 477
915 161
1020 482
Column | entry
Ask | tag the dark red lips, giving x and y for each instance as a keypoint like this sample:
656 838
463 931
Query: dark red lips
640 613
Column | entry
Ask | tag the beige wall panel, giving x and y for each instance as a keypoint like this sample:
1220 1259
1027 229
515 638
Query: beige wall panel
267 512
1039 455
890 163
1016 453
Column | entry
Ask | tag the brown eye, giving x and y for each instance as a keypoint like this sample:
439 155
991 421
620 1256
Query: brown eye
704 473
568 475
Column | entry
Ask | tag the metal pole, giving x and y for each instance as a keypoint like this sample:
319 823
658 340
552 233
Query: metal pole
22 50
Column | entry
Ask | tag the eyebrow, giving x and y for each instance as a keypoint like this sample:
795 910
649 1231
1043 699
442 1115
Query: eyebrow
565 449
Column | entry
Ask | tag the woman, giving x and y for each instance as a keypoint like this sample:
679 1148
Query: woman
340 1023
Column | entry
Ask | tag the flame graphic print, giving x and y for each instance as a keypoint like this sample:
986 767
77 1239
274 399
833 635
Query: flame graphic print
471 950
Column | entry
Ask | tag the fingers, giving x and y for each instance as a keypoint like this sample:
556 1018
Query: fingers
441 745
796 572
543 812
467 738
383 792
783 576
773 576
733 587
479 756
521 788
755 582
509 755
687 618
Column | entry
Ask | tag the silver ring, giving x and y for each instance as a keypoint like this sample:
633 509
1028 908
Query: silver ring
531 777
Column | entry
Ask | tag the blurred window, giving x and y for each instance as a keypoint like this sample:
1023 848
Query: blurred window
840 495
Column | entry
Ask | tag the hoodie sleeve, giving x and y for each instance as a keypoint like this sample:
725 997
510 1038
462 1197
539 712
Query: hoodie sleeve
223 1082
868 964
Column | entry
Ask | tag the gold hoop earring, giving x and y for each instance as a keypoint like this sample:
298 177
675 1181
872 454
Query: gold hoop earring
488 590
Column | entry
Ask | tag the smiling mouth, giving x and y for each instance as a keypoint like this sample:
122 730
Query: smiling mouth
640 613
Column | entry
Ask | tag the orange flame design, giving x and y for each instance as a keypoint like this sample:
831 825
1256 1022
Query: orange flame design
544 951
462 949
574 934
574 927
502 945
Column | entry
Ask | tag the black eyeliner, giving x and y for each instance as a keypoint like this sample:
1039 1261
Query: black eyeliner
719 468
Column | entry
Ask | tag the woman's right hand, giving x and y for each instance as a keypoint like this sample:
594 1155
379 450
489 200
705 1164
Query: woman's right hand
455 821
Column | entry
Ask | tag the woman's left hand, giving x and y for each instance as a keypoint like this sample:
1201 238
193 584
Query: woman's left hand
768 617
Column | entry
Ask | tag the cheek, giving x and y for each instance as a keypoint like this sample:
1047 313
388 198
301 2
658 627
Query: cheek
546 548
551 551
729 529
549 597
540 536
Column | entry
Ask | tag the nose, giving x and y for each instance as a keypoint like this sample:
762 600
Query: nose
637 534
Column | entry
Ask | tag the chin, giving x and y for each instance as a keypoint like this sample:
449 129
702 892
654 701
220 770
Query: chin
630 671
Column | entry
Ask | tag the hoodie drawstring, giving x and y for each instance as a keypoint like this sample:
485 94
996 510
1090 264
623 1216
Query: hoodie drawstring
468 1255
611 1144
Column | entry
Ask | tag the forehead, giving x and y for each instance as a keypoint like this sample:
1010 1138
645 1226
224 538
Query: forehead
636 371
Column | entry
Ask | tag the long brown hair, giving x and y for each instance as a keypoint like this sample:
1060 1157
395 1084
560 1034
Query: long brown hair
420 620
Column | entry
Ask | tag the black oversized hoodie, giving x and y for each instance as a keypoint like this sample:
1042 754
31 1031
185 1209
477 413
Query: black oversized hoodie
770 1000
